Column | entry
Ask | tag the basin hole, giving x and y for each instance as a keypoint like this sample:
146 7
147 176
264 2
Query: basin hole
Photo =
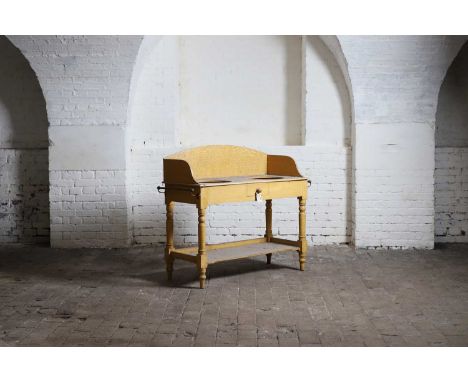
215 181
268 177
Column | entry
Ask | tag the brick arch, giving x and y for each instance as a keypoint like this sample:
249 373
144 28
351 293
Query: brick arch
86 82
53 58
451 153
150 128
395 82
454 45
24 45
24 190
328 50
334 45
453 81
148 105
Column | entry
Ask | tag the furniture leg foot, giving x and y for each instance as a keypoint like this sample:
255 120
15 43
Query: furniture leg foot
268 258
302 261
202 278
302 264
169 267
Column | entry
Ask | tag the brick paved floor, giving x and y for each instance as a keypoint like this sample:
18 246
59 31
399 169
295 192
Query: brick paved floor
97 297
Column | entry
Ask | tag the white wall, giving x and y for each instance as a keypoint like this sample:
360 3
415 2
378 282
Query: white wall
233 87
451 161
451 194
24 196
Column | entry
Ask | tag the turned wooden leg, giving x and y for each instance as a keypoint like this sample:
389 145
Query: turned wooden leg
268 230
302 233
202 278
169 238
268 220
202 257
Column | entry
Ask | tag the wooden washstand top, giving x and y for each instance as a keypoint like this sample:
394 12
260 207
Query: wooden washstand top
224 165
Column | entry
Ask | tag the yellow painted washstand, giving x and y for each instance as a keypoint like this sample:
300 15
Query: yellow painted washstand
218 174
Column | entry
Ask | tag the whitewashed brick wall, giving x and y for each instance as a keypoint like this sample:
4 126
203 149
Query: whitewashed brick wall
328 215
24 196
451 194
24 183
451 155
395 83
86 83
85 79
394 186
88 209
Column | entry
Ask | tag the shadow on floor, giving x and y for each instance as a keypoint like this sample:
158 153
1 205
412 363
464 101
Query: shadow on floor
144 266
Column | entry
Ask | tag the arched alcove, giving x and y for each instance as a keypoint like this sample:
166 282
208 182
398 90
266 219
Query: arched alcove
345 91
327 124
451 156
24 179
151 134
194 90
327 101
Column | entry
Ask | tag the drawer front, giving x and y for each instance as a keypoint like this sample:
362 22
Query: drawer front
247 192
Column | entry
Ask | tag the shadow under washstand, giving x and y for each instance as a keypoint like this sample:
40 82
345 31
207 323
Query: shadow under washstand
141 267
185 275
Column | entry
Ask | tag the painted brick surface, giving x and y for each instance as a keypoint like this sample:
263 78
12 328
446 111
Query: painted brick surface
24 181
451 155
85 79
395 84
86 82
24 196
451 194
88 209
397 78
394 186
452 113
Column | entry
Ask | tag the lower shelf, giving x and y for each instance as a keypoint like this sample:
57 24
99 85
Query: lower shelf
237 252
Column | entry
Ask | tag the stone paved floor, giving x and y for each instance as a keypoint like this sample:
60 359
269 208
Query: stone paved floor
96 297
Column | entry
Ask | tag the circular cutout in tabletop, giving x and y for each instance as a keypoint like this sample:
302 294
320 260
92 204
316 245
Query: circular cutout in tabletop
269 177
215 181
